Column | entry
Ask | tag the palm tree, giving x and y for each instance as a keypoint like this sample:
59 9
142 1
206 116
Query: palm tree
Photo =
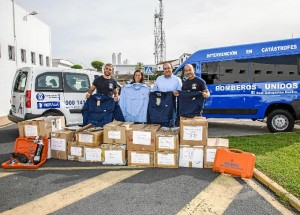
139 65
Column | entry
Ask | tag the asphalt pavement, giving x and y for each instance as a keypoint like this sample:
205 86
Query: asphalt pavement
135 191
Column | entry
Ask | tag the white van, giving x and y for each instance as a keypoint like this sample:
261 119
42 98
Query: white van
41 91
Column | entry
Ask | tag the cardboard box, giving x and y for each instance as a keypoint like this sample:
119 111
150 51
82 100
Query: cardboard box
141 137
115 132
140 159
42 126
59 143
75 151
211 148
90 137
166 160
193 131
92 154
167 139
113 154
191 156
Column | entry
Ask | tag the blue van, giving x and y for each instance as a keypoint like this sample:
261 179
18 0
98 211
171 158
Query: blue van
252 81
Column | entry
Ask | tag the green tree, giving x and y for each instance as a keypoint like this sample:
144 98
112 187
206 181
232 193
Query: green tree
76 66
97 65
139 65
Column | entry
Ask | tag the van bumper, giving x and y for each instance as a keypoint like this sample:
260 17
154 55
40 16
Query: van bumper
16 119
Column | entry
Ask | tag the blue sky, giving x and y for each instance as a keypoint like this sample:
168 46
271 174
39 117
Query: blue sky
87 30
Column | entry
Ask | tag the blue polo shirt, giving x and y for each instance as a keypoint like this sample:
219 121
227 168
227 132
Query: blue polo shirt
164 84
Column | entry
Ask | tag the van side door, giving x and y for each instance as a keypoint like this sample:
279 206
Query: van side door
48 93
76 86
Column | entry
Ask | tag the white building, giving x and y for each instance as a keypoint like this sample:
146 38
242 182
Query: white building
160 66
61 63
24 41
175 63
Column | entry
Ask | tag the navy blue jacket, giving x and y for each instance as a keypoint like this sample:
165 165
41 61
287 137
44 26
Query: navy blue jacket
161 108
98 110
190 103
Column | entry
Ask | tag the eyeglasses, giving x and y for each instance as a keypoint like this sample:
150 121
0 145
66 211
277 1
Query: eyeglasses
167 68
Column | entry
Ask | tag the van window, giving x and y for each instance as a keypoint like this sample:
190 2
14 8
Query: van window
76 82
48 81
20 82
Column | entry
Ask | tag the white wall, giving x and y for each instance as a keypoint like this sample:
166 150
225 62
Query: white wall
61 63
31 34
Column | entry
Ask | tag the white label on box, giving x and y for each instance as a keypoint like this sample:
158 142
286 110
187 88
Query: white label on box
93 154
140 158
114 134
166 143
165 159
192 133
31 130
141 137
113 157
210 155
76 151
58 144
194 155
49 149
86 138
56 124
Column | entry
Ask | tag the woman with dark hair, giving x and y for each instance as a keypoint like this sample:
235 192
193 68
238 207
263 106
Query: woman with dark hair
138 76
134 99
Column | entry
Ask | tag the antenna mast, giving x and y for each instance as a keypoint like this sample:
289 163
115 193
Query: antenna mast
159 35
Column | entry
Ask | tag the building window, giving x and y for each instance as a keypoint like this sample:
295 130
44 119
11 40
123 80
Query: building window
269 72
228 70
11 53
47 61
242 71
291 73
23 55
41 60
280 72
33 61
257 72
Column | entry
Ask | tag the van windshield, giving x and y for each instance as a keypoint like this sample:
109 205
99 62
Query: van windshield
20 82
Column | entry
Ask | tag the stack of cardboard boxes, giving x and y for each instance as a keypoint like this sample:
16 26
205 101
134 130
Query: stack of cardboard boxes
167 147
114 147
196 149
193 138
141 142
139 145
89 140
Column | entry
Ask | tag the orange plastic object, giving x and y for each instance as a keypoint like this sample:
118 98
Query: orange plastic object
27 147
234 162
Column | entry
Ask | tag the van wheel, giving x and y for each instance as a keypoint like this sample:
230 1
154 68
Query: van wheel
280 121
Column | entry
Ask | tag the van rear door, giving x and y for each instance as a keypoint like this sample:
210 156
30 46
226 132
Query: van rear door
19 92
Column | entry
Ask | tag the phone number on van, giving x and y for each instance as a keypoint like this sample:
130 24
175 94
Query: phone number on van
74 103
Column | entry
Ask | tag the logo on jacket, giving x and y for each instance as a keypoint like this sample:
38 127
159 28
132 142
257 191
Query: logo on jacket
194 86
158 101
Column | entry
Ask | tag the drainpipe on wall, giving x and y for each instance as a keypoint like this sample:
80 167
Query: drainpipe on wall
15 36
